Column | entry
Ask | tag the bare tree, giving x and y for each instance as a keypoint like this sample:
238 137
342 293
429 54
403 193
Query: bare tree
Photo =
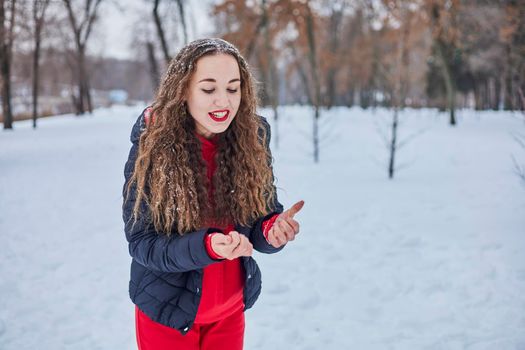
82 29
400 81
251 45
161 29
312 58
180 6
301 16
271 86
337 9
519 169
444 25
6 56
393 66
160 32
153 66
513 38
39 11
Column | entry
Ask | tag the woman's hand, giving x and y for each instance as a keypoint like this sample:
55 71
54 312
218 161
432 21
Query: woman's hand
285 227
232 245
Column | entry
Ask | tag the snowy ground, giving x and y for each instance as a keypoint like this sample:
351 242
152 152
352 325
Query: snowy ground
431 260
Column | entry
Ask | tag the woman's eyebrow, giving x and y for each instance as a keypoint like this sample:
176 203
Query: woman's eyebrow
214 81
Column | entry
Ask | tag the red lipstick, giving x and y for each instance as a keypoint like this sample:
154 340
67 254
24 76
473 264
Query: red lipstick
220 115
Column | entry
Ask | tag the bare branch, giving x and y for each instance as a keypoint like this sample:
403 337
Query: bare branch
519 138
405 165
11 29
382 134
91 18
255 35
518 169
410 137
72 20
160 31
180 5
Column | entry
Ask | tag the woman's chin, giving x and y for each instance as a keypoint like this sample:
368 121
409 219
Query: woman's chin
219 127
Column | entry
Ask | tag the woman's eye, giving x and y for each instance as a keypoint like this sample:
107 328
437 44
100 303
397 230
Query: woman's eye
210 91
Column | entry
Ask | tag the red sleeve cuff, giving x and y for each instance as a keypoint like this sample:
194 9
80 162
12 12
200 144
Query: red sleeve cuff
148 116
209 249
267 225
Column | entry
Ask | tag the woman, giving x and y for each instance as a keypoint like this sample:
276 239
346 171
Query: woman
198 198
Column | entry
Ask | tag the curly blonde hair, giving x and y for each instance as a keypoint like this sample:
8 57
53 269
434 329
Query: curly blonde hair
169 172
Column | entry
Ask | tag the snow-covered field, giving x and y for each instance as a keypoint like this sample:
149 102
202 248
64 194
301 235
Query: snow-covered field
434 259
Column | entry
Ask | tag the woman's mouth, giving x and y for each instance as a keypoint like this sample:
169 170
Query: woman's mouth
219 116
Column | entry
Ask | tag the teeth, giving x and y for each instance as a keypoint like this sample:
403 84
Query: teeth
220 114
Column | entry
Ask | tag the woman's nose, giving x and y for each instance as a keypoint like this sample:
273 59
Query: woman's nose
221 100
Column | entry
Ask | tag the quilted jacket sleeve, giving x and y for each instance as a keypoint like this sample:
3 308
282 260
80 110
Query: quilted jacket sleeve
257 238
153 250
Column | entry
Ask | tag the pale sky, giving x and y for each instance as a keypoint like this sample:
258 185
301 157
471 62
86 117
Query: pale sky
114 31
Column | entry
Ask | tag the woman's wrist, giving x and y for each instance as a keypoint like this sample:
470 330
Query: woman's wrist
209 247
267 226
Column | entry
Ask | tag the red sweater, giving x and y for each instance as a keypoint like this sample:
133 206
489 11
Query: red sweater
223 282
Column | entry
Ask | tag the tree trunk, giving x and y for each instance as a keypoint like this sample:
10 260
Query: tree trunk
477 95
522 98
302 75
272 85
180 5
400 85
6 90
508 80
251 45
80 83
81 32
335 23
316 134
313 68
84 97
38 18
36 57
85 82
160 32
497 94
450 85
330 88
5 68
87 91
154 68
449 82
393 142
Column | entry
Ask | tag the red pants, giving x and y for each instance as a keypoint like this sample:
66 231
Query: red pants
227 333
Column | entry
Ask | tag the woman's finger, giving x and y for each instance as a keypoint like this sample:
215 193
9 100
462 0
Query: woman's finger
294 224
243 247
271 238
290 213
280 237
249 250
236 238
287 229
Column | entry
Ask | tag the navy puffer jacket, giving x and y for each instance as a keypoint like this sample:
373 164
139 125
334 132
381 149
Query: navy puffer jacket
166 272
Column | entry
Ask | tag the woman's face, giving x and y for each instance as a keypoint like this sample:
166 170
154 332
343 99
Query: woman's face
214 93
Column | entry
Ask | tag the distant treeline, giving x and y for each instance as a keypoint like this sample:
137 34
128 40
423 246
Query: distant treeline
394 53
425 52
